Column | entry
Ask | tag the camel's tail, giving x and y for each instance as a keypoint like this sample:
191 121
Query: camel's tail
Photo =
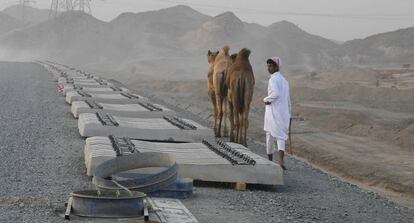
223 87
241 87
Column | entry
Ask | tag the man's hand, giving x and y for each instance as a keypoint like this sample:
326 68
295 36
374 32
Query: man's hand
268 102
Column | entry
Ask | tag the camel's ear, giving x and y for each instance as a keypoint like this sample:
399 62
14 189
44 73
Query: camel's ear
208 53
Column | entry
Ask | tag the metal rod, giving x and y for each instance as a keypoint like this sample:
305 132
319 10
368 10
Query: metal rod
290 136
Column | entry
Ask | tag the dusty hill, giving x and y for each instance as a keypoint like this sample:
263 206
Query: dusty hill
149 42
225 27
172 21
172 43
73 36
29 14
386 49
8 23
298 47
178 36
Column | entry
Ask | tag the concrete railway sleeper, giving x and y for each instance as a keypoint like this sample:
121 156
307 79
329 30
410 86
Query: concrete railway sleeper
106 119
150 107
181 124
122 144
84 94
93 104
233 156
129 95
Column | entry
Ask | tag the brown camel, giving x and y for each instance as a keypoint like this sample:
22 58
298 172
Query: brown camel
240 82
211 56
221 64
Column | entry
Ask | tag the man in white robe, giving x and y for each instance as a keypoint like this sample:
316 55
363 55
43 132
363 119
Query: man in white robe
277 113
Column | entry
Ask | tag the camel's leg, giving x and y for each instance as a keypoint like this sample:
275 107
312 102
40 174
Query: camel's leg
231 118
245 126
241 126
237 124
216 117
219 101
217 81
225 112
213 101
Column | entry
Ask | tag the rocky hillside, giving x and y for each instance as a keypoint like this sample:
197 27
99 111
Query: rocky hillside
172 43
29 14
387 49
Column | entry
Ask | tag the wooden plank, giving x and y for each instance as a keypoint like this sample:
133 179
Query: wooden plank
240 186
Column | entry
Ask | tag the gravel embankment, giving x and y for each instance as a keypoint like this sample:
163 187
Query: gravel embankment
41 150
41 162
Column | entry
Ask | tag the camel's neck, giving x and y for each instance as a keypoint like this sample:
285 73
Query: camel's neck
210 66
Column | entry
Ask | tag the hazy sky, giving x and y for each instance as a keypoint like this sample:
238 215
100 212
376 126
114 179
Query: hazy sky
335 19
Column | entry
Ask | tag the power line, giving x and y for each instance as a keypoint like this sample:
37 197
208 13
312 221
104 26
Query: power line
393 17
24 4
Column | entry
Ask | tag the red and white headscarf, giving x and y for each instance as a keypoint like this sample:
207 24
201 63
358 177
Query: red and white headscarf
277 60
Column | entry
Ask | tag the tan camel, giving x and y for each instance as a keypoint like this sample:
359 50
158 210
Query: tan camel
221 64
240 82
211 56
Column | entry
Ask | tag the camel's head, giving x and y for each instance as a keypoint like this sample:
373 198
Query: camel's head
223 56
226 50
244 54
233 57
211 56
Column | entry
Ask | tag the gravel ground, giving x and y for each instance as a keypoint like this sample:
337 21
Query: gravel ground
42 162
40 147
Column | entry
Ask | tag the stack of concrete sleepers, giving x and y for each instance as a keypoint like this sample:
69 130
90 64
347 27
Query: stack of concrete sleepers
90 85
206 160
73 76
139 109
55 70
100 89
114 97
159 129
80 78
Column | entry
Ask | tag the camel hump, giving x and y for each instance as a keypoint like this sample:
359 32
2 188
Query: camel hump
226 49
244 53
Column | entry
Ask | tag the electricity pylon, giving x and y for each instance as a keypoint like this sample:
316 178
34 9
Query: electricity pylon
69 5
24 4
59 5
83 6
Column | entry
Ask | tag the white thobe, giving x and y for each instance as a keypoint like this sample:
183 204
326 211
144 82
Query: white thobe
277 114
